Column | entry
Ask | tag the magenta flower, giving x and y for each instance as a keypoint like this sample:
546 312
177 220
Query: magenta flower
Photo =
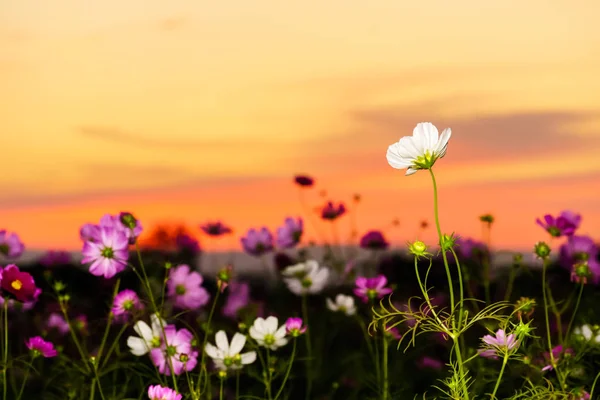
89 233
557 353
55 257
331 212
178 347
578 249
17 284
185 288
304 180
10 245
257 242
108 254
187 244
238 297
40 347
564 225
498 345
374 240
393 332
57 322
126 302
158 392
290 233
469 248
215 228
126 221
428 362
294 328
371 288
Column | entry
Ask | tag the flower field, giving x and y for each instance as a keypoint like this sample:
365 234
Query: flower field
443 321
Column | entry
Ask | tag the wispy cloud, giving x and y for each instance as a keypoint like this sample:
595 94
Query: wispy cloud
172 23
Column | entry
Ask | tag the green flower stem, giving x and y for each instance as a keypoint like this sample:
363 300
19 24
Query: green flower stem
581 285
486 263
93 389
5 351
504 361
113 346
594 386
237 385
107 329
74 337
369 345
221 389
556 313
309 215
455 328
549 338
203 357
386 383
23 384
287 372
269 377
511 280
97 381
309 378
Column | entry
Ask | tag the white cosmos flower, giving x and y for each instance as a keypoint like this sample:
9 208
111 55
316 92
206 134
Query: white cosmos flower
227 355
306 278
419 151
343 304
149 339
589 333
267 333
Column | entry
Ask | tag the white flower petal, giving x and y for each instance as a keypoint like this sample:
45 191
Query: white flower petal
271 324
280 332
213 352
442 144
254 334
237 344
331 305
221 342
259 325
411 171
142 329
249 357
137 346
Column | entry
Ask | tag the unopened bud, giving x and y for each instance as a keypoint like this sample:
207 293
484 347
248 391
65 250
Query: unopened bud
542 250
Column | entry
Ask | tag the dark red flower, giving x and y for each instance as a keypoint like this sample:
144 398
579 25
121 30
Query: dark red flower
304 180
19 285
215 228
331 212
374 240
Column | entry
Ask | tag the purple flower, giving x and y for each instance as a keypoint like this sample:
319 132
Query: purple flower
39 346
126 302
58 322
578 249
55 257
498 344
564 225
557 352
293 327
469 248
304 180
374 240
290 233
178 348
10 245
331 212
158 392
89 233
257 242
428 362
185 287
238 297
108 254
186 243
18 284
393 332
133 227
215 228
371 288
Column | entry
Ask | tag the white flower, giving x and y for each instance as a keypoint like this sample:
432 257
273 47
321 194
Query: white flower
305 278
343 304
267 334
419 151
150 337
590 334
227 356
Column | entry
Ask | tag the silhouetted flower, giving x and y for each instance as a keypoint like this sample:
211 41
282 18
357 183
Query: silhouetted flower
374 240
215 228
331 212
304 180
257 242
55 257
186 243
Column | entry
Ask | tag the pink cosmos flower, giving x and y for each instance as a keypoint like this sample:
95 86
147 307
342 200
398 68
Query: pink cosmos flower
469 248
564 225
39 346
429 362
89 232
238 297
293 327
10 245
187 244
581 248
498 345
185 287
18 284
257 242
215 228
331 212
158 392
557 353
178 348
371 288
126 302
374 240
132 226
108 254
55 257
290 233
57 322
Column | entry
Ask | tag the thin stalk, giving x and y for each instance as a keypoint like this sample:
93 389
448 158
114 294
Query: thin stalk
511 280
289 369
237 385
450 284
203 357
269 375
308 348
549 338
74 337
23 384
575 310
504 361
5 351
221 389
385 368
486 262
369 345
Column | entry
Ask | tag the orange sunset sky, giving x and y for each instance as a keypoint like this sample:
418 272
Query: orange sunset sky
195 110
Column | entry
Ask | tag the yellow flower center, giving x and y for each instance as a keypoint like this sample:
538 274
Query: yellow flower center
16 284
